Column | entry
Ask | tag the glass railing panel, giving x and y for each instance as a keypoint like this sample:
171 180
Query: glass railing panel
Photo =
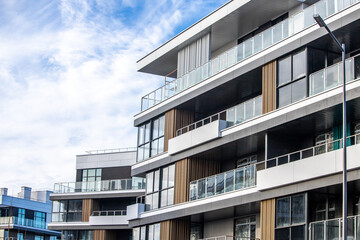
210 186
317 82
330 7
332 77
223 61
229 181
357 224
320 8
231 56
201 188
240 52
215 66
308 16
248 47
239 178
297 23
318 231
267 38
230 117
220 183
240 117
193 190
258 106
333 229
277 33
258 43
249 110
350 228
285 28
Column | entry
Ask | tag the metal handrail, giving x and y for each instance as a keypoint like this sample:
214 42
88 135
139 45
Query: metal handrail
250 47
323 224
287 158
109 213
111 150
218 116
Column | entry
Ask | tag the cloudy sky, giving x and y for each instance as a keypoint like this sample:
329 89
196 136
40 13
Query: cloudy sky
68 80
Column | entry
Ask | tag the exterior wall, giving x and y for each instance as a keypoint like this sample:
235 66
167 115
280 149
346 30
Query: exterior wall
89 205
269 87
105 160
175 229
267 219
217 228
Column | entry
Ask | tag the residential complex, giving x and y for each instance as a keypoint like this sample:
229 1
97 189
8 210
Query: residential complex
96 205
243 140
26 216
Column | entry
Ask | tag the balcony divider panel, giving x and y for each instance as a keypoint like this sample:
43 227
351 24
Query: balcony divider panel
190 169
175 119
269 87
89 205
267 219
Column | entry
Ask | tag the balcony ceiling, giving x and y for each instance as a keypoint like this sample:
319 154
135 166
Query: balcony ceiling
247 17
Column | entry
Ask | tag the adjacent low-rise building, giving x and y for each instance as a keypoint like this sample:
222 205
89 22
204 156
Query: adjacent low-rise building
26 216
95 206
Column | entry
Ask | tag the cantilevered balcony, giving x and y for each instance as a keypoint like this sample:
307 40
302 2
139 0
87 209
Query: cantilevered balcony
98 186
10 222
332 229
252 46
234 180
105 218
331 76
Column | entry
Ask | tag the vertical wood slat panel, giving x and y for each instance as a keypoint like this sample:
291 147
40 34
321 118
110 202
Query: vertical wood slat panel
174 120
269 87
267 219
175 229
99 235
88 206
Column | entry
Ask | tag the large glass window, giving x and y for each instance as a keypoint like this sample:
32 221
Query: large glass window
21 216
292 81
160 187
290 217
67 211
151 138
149 232
40 219
245 228
91 179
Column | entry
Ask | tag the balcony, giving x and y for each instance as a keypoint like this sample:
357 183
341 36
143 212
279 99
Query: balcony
11 221
113 217
234 180
98 186
252 46
332 229
229 238
332 76
112 150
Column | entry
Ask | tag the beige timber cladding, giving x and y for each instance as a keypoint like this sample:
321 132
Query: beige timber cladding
269 87
267 219
175 229
175 119
190 169
88 206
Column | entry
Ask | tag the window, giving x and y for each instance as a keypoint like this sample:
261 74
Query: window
39 237
151 138
160 187
292 81
245 228
357 133
91 179
21 216
357 206
67 211
20 236
290 217
150 232
324 143
246 161
39 220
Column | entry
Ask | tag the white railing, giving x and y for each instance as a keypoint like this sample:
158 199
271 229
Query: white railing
4 221
109 213
112 150
332 229
233 180
331 76
328 146
135 183
233 116
258 43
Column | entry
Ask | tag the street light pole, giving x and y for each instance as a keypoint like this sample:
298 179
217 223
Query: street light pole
321 23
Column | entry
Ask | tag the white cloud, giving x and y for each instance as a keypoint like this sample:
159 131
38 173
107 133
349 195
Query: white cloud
68 80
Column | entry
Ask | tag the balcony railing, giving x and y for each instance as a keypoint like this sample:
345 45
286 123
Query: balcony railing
246 49
228 237
75 216
98 186
328 146
233 116
331 229
22 222
233 180
112 150
8 238
109 213
331 77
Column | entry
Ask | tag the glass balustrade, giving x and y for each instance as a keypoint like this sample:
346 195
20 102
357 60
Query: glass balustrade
332 229
97 186
234 180
260 42
22 222
233 116
332 76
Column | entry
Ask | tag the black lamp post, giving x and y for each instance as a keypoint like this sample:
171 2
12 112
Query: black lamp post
321 23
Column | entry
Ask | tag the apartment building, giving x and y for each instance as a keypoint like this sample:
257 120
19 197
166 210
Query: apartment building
26 215
95 206
243 140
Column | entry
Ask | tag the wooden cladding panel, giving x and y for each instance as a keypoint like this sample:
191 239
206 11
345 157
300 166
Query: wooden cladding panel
267 219
175 229
89 205
269 87
175 119
104 235
190 169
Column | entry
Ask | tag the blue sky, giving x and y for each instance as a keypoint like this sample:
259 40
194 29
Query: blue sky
68 80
